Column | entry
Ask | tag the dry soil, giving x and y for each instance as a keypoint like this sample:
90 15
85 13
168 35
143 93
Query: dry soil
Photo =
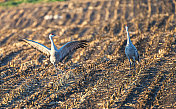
97 76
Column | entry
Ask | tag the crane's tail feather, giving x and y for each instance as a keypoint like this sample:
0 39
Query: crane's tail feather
82 44
20 39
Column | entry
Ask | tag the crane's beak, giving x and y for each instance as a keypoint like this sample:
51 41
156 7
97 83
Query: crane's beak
55 36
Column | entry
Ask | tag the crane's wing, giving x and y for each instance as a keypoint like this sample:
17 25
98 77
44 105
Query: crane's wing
70 47
38 46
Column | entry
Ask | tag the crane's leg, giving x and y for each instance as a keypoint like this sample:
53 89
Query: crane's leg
130 65
134 62
130 62
59 69
56 67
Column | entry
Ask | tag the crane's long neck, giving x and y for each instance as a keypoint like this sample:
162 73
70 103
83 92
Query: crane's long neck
53 47
128 38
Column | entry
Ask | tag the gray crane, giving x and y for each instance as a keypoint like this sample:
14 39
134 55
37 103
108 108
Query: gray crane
57 55
130 50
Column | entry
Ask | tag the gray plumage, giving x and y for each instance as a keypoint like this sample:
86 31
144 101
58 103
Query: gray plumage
57 55
130 50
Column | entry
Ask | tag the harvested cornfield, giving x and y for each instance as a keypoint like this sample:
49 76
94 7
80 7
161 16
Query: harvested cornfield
96 76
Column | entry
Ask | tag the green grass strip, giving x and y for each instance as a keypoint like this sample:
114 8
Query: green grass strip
9 3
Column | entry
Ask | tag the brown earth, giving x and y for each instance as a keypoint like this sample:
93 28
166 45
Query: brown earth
97 76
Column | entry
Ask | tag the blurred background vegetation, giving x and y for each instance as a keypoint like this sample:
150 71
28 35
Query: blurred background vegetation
17 2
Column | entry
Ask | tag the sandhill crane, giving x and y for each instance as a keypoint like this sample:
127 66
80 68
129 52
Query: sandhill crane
130 50
57 55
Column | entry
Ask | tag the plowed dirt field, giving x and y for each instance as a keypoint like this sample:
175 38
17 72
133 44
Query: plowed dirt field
96 76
